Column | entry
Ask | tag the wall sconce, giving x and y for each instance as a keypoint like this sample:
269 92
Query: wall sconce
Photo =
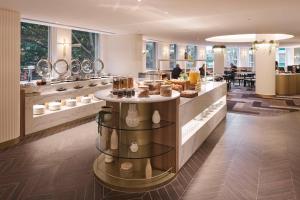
272 44
145 52
219 48
64 45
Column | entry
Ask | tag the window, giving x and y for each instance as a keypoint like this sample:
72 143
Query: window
85 45
209 57
232 56
192 52
150 55
281 55
173 55
34 46
251 58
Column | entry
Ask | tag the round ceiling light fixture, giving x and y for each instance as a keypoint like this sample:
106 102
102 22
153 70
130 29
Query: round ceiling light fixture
246 38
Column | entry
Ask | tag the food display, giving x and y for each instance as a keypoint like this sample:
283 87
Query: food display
143 91
189 93
166 90
71 102
54 106
86 100
38 109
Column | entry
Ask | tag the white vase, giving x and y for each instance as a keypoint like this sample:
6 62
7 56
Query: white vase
104 138
134 147
132 118
114 143
148 170
156 117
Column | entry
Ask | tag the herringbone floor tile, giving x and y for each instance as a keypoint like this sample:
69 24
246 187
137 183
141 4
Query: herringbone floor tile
245 158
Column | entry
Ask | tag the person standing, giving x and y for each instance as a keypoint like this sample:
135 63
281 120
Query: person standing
176 72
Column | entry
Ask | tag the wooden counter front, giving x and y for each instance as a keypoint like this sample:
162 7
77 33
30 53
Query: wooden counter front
287 84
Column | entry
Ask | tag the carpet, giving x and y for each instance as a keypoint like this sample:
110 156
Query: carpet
244 100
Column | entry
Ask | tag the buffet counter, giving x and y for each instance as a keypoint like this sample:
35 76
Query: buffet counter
288 84
144 141
51 105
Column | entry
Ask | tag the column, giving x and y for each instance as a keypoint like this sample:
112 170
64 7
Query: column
265 69
163 52
9 75
219 60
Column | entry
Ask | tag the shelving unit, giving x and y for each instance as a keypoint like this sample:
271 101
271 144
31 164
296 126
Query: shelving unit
156 143
40 95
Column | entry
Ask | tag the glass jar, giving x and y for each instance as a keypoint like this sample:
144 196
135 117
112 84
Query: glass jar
194 77
166 90
143 91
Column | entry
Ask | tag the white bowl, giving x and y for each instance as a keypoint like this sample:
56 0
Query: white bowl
71 102
38 109
53 106
86 99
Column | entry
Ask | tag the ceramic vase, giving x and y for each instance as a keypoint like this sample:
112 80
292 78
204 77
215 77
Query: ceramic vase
132 118
148 169
114 140
104 138
156 117
134 147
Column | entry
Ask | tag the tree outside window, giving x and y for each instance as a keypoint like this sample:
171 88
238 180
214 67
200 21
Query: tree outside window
150 55
209 57
232 56
84 45
34 46
192 52
173 55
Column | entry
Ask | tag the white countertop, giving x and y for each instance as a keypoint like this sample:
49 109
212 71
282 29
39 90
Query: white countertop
207 87
107 96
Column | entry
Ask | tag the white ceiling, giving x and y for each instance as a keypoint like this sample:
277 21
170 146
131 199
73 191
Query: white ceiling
186 21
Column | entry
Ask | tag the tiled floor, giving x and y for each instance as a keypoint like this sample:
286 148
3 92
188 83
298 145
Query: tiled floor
246 157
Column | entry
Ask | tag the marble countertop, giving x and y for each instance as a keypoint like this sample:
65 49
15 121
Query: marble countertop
107 96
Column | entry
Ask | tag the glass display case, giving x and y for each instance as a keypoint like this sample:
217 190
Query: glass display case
137 143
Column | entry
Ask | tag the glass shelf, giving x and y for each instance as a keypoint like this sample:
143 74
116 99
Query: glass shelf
111 175
144 151
119 124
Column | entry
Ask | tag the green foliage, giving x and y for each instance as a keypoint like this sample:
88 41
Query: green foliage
34 43
84 44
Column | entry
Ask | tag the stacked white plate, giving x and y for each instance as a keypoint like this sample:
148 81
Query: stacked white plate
71 102
38 109
53 106
86 100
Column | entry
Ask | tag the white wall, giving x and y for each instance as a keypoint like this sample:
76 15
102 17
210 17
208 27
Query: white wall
61 46
123 54
9 75
163 52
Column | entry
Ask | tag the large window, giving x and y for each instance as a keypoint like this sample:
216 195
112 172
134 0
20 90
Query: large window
251 58
192 52
209 57
281 57
173 55
232 56
85 45
34 46
150 55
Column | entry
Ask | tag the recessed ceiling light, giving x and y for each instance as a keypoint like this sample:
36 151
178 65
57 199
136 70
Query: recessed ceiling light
248 37
139 0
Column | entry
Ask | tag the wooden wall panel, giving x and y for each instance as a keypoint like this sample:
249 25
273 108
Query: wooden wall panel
9 75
